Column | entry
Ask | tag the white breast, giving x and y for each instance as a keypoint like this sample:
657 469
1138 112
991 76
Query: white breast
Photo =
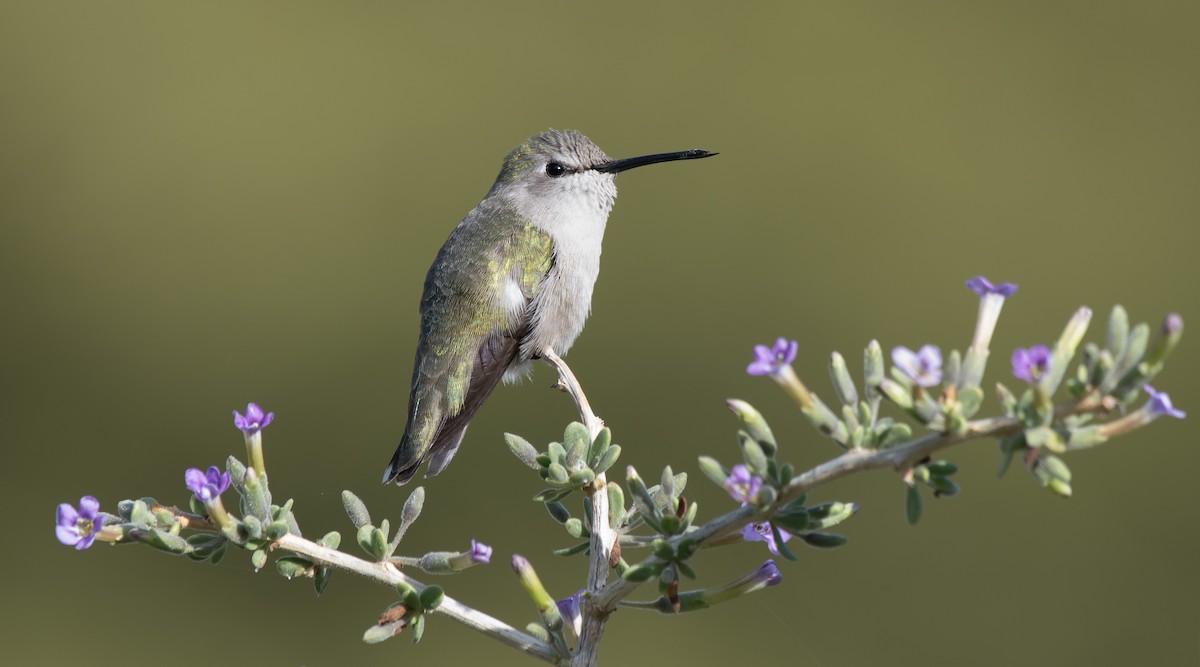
575 222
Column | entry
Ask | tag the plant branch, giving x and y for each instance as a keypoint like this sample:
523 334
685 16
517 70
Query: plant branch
603 537
390 575
852 461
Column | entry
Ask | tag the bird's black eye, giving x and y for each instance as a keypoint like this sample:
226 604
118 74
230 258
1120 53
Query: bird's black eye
554 170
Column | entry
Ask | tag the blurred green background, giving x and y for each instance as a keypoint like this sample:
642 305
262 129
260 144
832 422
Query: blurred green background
207 204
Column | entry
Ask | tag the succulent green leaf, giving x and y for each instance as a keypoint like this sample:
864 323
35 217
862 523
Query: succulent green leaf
754 424
823 540
557 474
558 511
293 566
616 504
713 470
418 628
258 558
431 597
321 579
575 527
753 454
599 445
381 633
522 449
332 540
970 399
581 477
551 495
355 509
912 505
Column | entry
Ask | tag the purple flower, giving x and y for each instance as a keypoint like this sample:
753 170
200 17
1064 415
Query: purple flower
571 611
742 485
253 421
761 532
923 367
480 552
78 527
1160 404
206 486
982 286
771 360
768 574
1032 363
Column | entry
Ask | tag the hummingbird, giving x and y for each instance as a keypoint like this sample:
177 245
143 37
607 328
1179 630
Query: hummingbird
514 278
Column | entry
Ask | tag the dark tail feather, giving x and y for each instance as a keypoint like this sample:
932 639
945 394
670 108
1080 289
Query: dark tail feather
400 470
493 358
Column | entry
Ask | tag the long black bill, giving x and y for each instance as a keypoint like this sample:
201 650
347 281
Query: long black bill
630 162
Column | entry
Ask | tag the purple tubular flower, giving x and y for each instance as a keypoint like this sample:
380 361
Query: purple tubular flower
742 485
570 609
771 360
78 527
253 421
768 574
1160 403
206 486
1030 364
761 532
923 367
480 552
982 286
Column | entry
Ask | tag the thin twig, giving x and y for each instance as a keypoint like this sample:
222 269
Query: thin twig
602 538
386 573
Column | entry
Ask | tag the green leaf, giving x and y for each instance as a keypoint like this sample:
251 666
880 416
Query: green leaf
431 597
321 580
557 474
558 511
794 521
418 627
643 572
753 454
551 495
892 435
577 443
557 453
258 559
140 513
608 458
521 448
574 527
827 515
842 384
379 543
970 399
616 505
356 510
332 540
294 566
780 545
364 537
754 424
823 540
381 633
912 505
599 446
941 468
276 530
581 477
